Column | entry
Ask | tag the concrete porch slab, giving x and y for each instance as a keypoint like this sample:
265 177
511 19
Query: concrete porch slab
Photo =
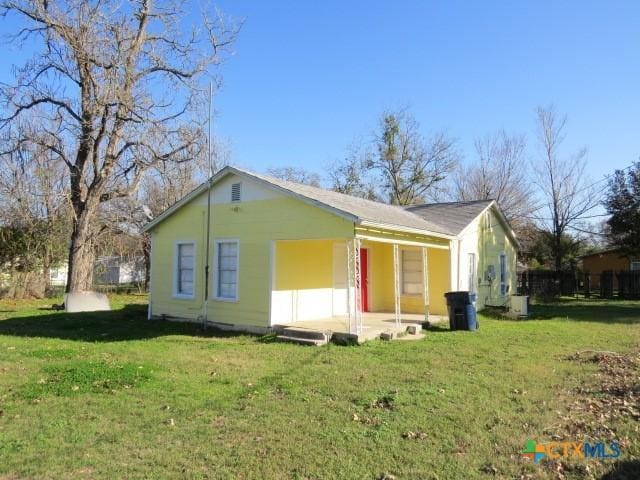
374 324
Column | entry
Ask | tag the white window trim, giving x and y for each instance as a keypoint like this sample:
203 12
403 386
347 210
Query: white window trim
176 294
214 279
402 290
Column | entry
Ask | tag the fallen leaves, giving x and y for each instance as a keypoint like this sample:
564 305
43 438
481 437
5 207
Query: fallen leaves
414 435
597 408
488 468
619 392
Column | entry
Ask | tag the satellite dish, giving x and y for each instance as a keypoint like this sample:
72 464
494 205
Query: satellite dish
147 212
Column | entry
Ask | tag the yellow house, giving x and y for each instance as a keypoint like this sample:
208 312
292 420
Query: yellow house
250 252
484 249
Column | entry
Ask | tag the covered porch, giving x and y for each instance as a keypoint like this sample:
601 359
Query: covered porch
376 282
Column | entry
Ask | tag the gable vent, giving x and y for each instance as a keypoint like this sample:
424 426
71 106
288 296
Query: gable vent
235 192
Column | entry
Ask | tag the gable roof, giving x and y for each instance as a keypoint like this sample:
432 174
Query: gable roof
362 209
355 209
451 216
454 217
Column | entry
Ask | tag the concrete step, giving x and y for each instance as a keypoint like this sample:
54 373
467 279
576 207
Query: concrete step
302 341
299 332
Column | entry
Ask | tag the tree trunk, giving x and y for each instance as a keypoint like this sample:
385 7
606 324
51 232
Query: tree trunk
558 258
81 254
46 270
146 249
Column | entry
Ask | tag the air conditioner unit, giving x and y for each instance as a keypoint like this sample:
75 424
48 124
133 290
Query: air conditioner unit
519 306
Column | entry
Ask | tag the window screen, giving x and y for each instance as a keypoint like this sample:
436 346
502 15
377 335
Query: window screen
227 274
185 267
411 272
472 272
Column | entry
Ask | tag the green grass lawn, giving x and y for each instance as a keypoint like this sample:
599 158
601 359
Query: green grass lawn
112 395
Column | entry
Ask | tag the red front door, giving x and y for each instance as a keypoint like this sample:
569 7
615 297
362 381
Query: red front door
364 279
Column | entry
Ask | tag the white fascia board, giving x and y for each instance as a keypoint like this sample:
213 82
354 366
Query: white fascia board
232 170
501 217
402 242
400 228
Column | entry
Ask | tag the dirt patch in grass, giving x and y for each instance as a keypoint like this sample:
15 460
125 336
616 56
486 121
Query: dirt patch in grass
85 376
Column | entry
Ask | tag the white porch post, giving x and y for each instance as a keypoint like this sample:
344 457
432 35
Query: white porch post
425 282
358 287
396 283
349 278
353 275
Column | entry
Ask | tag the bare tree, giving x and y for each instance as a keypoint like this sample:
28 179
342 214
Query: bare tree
34 210
500 173
410 166
566 193
351 175
164 184
120 82
399 165
295 174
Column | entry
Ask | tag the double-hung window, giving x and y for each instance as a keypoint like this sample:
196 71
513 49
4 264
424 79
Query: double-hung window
411 272
472 272
184 269
226 269
503 274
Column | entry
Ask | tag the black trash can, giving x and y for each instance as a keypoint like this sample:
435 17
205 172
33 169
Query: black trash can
461 311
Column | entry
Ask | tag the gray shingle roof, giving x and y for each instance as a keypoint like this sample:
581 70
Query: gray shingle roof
452 217
447 219
363 210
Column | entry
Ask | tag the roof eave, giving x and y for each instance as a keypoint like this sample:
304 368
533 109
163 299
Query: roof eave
232 170
501 217
402 228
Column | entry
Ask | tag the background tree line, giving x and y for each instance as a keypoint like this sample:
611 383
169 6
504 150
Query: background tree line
103 129
544 191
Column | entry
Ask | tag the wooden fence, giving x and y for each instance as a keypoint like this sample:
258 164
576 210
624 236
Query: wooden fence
608 284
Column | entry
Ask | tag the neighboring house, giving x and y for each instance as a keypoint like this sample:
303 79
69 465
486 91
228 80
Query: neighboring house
281 253
108 270
58 275
114 270
607 260
483 250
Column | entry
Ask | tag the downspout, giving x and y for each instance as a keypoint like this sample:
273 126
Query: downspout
208 223
149 313
207 255
458 265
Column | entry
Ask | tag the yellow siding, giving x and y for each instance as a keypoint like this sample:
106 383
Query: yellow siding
439 280
492 241
304 265
254 224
